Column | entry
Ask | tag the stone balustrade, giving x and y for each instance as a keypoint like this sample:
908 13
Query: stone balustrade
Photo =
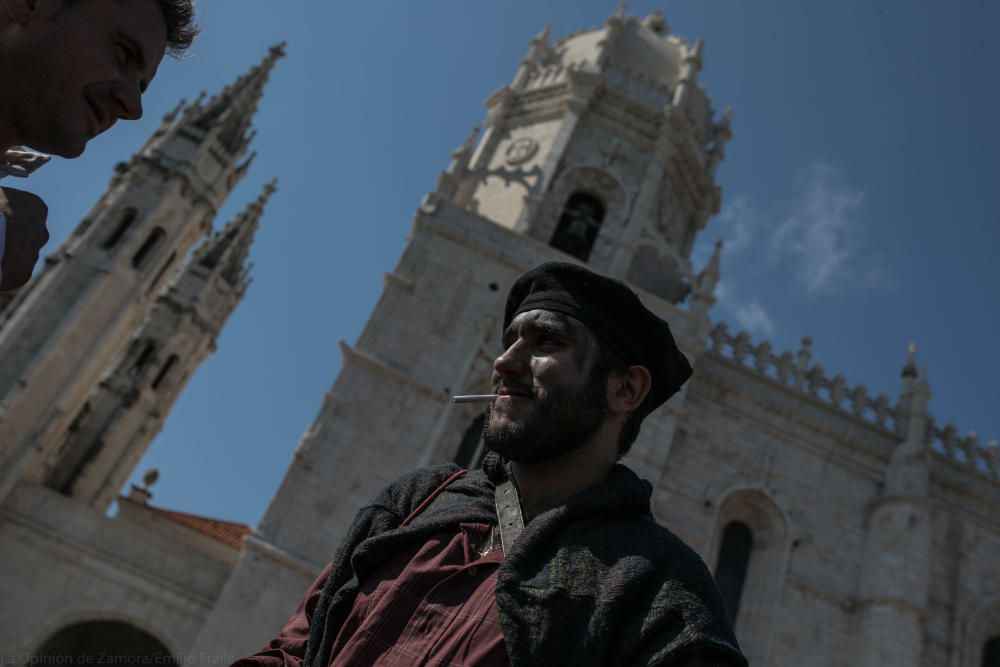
797 371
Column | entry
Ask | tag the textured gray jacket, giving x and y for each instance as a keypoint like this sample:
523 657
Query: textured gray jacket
592 582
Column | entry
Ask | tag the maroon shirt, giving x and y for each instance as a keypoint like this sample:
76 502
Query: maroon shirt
431 605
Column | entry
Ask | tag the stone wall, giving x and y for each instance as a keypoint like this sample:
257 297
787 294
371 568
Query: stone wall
65 563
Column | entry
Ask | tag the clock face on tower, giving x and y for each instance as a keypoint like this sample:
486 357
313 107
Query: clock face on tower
521 150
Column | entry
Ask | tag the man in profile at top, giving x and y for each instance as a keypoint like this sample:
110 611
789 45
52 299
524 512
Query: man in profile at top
69 69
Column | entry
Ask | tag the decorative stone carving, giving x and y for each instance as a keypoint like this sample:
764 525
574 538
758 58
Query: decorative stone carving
521 150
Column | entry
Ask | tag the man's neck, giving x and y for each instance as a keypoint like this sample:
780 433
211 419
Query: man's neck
544 485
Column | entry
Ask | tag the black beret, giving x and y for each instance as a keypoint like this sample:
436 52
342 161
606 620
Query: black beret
611 310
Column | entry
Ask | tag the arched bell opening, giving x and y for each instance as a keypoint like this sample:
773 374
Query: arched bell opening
579 225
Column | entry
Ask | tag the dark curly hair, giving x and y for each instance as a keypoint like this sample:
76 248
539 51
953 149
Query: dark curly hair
181 28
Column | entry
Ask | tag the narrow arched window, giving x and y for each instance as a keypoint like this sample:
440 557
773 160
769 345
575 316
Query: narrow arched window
991 652
471 448
732 564
142 360
154 238
162 375
578 226
166 265
128 217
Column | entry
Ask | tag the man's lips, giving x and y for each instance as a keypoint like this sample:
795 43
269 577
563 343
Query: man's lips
515 393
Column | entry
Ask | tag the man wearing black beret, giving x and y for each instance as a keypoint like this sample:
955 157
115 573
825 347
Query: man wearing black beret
549 555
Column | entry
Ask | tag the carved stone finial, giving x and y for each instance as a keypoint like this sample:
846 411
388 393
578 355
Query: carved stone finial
993 457
716 260
657 23
278 50
470 141
910 367
724 128
172 114
690 66
265 193
141 494
461 156
150 478
803 357
694 54
705 283
620 10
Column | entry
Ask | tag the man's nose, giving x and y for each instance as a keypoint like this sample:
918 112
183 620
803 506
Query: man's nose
128 97
513 360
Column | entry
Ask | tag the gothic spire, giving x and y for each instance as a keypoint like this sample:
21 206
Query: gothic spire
233 108
230 247
621 9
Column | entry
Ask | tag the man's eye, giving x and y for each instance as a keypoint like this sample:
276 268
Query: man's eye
121 53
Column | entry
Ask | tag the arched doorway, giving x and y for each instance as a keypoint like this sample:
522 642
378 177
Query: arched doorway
112 642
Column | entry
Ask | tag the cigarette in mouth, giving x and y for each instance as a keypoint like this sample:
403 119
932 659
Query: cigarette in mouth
475 398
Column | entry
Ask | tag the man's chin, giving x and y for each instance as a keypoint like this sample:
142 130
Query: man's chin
69 151
65 148
511 441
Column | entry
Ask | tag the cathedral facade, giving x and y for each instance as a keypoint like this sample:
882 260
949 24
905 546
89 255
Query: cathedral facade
844 529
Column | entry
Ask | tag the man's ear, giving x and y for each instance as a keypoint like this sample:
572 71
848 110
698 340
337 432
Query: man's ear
626 391
20 11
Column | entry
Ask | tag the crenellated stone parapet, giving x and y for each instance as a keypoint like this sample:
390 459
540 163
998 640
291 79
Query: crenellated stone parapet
548 75
797 372
946 442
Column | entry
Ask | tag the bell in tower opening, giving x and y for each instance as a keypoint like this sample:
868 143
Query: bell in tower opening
578 226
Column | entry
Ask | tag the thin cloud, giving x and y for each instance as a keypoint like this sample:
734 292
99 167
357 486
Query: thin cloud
821 235
736 225
739 222
748 314
754 318
818 242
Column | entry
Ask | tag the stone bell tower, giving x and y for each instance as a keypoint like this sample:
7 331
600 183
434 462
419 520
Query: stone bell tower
604 146
602 150
122 415
62 333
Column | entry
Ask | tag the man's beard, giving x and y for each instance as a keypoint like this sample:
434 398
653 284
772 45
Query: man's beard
559 424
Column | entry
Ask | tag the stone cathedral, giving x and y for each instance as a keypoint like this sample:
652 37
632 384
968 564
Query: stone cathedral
843 528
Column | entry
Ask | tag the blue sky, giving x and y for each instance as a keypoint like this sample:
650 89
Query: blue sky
860 192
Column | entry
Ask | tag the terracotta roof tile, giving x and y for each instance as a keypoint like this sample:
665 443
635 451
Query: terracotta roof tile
229 532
